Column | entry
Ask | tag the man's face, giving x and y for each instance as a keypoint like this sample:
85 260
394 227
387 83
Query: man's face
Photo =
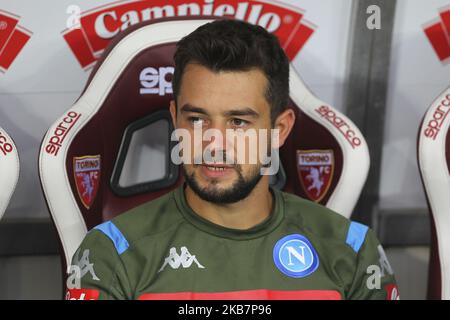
221 101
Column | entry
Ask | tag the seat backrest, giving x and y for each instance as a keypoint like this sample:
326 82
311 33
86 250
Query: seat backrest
111 150
9 169
433 153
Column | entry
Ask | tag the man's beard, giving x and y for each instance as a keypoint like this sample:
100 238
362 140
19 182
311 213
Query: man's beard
238 191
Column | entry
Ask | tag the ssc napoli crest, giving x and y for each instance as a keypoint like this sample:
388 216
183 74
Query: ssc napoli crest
87 178
295 256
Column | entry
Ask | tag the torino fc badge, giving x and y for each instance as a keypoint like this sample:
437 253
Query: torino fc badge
87 178
315 171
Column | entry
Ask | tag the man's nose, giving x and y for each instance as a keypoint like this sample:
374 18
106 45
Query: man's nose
215 137
215 141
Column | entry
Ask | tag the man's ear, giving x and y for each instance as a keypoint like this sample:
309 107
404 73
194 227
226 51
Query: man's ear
284 123
173 112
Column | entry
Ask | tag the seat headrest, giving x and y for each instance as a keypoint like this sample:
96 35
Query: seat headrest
434 162
9 169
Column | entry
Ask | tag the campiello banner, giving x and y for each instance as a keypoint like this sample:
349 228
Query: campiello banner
88 38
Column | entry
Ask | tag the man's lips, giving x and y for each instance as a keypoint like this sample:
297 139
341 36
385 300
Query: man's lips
216 170
218 165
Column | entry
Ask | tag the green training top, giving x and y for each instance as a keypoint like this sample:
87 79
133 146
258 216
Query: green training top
164 250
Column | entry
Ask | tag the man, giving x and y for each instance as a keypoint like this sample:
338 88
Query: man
226 233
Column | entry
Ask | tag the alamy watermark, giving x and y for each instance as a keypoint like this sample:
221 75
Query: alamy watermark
250 146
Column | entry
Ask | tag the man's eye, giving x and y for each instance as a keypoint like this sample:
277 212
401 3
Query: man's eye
196 121
239 123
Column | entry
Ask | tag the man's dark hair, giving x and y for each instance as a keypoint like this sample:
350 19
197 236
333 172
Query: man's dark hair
233 45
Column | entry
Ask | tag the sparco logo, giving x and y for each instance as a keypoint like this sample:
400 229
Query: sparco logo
438 33
341 124
155 81
185 259
439 115
5 146
98 26
60 132
12 39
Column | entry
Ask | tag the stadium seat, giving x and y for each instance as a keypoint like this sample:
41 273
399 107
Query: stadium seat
110 151
433 152
9 170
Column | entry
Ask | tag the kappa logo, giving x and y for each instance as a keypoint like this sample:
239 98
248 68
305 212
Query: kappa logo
155 81
185 259
87 178
13 38
376 273
438 33
85 265
384 262
98 26
81 267
295 256
315 171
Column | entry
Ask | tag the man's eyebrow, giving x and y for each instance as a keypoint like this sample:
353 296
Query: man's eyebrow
230 113
242 112
190 108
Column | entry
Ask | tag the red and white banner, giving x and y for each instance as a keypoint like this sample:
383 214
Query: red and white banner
438 32
13 38
98 26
